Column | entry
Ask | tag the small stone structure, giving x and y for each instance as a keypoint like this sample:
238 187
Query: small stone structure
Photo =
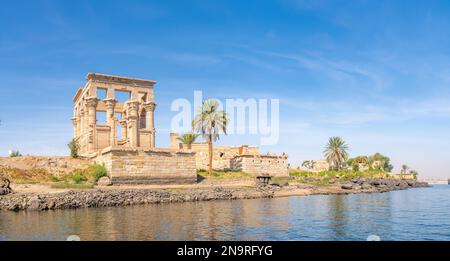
320 165
408 176
148 166
125 142
272 165
241 158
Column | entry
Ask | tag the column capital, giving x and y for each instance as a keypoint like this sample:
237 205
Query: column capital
123 123
110 103
91 102
132 108
150 106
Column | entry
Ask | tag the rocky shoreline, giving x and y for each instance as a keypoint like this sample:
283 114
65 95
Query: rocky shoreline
114 197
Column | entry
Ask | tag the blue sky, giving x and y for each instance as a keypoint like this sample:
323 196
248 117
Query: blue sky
376 73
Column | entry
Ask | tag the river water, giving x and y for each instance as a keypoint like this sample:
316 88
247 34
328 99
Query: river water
415 214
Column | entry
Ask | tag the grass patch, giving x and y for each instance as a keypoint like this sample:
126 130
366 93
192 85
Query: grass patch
25 176
88 176
224 175
325 177
66 185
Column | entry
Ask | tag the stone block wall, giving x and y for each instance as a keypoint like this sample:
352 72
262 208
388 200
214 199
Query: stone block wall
148 166
276 166
222 155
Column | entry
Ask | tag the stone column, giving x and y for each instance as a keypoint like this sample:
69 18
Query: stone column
79 116
110 105
75 127
150 109
91 105
132 108
82 121
81 131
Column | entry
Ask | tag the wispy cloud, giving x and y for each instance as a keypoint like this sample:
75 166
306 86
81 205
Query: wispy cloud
193 59
343 70
346 114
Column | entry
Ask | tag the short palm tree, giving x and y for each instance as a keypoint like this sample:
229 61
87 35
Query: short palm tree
414 173
308 164
210 122
336 152
188 138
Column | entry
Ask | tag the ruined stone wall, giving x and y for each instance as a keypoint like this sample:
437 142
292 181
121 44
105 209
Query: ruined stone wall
222 155
103 134
148 166
276 166
403 176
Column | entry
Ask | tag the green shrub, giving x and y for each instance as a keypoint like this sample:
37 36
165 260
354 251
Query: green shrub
97 171
54 179
15 153
73 146
225 174
79 177
299 173
66 185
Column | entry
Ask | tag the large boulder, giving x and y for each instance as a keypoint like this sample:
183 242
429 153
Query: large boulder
104 181
366 186
34 203
5 186
375 182
411 183
356 186
347 186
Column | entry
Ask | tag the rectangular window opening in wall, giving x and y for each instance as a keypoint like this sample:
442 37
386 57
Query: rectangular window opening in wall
122 96
119 132
101 117
119 116
143 120
101 93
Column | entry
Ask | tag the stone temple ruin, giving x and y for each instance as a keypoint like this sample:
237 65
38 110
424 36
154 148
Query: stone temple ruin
242 158
114 125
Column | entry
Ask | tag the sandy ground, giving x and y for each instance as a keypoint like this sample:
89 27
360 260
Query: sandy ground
46 188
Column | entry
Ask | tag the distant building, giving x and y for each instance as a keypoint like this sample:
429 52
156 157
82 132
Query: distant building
237 158
404 176
320 165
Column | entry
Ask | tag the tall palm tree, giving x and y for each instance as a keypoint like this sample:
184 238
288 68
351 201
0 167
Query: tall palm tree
405 169
188 138
336 152
210 122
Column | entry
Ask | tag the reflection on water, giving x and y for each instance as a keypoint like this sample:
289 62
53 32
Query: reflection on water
418 214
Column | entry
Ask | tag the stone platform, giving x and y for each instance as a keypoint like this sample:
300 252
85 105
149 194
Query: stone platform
148 166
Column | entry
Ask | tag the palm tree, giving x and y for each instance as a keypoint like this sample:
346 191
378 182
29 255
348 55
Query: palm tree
414 173
308 164
405 169
188 138
336 152
210 122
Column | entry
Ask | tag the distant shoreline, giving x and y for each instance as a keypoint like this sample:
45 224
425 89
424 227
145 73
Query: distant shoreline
116 196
